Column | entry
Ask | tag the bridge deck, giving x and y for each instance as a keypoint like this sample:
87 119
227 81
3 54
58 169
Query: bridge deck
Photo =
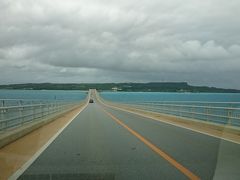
105 143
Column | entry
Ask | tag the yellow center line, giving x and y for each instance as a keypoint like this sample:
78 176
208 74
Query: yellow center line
164 155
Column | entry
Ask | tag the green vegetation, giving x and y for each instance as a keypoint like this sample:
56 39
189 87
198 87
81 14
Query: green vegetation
151 87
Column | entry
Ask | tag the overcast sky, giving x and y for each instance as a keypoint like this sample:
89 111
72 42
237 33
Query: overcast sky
197 41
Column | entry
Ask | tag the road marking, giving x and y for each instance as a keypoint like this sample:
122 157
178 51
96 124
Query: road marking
21 170
177 125
164 155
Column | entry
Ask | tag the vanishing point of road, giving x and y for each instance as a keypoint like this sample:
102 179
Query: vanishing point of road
106 143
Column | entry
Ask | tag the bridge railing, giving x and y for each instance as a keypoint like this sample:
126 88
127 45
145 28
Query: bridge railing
15 112
227 113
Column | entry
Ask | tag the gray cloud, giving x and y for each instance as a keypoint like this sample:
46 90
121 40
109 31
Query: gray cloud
107 41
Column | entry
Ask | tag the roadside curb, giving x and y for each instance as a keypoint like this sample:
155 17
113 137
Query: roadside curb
13 134
203 127
183 120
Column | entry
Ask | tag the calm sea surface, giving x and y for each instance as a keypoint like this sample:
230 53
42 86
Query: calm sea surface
119 96
162 96
43 94
220 115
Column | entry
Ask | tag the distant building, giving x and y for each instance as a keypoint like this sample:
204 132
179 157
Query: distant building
116 89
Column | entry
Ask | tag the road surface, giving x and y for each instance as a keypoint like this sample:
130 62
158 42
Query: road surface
105 143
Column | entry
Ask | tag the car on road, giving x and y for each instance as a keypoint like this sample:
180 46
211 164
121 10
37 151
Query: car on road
91 101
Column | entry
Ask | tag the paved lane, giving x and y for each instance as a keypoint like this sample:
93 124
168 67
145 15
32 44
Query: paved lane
206 156
94 146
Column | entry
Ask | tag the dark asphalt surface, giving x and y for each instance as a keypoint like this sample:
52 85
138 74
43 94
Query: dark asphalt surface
94 146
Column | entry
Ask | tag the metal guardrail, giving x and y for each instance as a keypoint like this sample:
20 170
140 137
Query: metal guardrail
227 113
20 112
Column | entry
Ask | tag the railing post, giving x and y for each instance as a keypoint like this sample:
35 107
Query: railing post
229 114
3 105
21 112
180 111
33 111
238 116
207 113
41 106
57 106
2 115
2 111
52 107
192 112
48 108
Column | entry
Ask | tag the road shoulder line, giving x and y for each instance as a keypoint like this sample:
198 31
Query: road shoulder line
21 170
174 124
156 149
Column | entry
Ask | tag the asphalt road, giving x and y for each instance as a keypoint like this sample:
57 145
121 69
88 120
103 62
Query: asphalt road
97 146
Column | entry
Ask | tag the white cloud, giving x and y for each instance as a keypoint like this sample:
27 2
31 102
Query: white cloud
120 40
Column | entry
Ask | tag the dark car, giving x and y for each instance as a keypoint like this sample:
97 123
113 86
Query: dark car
91 101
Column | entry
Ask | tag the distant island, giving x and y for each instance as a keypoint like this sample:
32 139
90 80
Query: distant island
144 87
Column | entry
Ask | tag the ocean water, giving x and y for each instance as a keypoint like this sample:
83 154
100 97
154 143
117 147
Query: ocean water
43 95
221 108
200 103
165 96
13 116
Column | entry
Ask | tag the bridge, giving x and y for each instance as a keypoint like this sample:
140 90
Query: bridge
106 140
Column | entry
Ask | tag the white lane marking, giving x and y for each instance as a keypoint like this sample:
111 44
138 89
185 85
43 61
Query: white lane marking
201 132
21 170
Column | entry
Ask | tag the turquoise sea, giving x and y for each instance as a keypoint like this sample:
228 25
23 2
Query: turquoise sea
165 96
215 107
43 95
194 104
119 96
